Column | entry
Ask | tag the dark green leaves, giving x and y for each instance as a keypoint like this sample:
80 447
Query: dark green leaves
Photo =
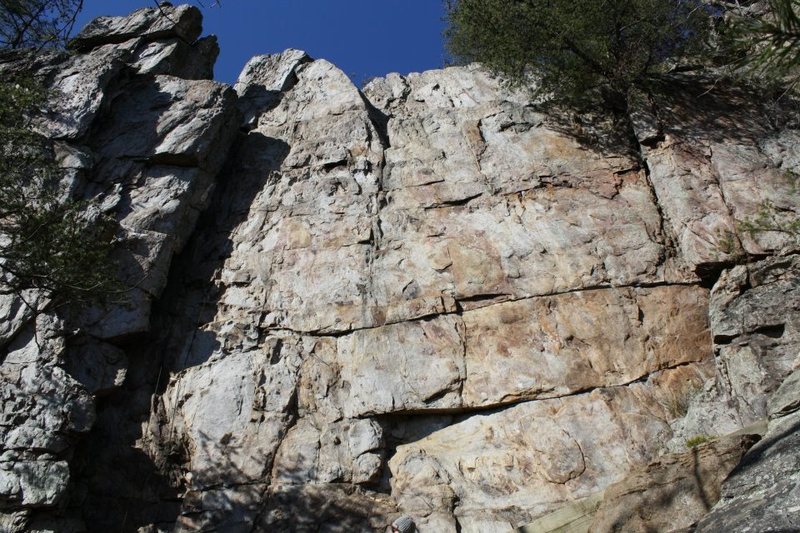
769 46
578 48
47 240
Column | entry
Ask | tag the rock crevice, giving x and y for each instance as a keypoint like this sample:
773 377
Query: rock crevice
428 297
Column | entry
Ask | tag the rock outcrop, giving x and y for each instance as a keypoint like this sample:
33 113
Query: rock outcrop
761 493
430 298
147 146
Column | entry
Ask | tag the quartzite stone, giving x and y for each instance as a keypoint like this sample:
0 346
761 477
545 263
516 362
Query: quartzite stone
433 288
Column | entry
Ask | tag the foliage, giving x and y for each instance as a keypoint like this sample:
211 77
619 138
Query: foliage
768 46
37 23
728 243
578 48
697 440
769 219
46 241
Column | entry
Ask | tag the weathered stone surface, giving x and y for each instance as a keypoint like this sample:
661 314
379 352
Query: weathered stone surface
761 494
264 80
181 129
344 452
183 22
41 405
517 463
329 508
308 186
14 314
227 418
223 508
474 174
176 57
98 366
672 493
716 164
168 119
430 298
42 409
80 87
14 522
34 483
785 400
538 348
231 414
273 73
755 320
574 517
402 367
555 346
173 137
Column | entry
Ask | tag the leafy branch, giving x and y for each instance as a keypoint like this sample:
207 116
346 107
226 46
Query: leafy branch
48 241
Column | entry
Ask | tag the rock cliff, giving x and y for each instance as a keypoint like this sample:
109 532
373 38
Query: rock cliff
431 297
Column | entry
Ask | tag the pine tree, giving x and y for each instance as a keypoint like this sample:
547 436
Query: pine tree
574 50
768 46
48 240
37 23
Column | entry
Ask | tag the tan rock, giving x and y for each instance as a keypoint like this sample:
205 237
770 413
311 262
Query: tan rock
326 507
560 345
673 492
717 164
348 451
521 461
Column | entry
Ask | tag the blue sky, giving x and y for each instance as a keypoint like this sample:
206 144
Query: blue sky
365 38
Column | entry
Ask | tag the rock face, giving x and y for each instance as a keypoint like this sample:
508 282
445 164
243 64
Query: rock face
428 298
147 146
761 492
672 493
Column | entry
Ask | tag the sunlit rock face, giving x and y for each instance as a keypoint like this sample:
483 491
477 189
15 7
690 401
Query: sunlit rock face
430 297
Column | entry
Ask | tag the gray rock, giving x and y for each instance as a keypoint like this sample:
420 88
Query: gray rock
786 400
429 299
761 494
183 22
171 125
175 57
98 366
755 320
80 89
263 81
230 413
93 95
14 522
168 120
34 483
15 313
